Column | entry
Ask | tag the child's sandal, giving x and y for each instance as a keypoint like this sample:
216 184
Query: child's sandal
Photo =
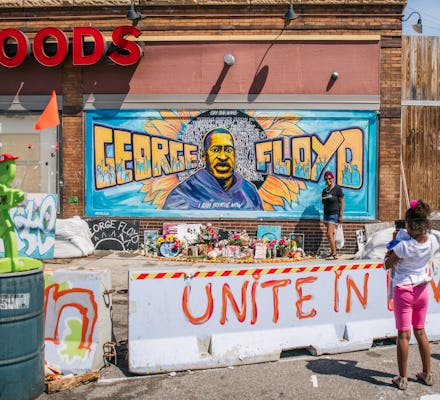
427 379
401 382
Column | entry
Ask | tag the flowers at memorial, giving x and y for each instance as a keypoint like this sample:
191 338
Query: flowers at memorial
296 254
208 234
206 242
149 247
177 244
165 238
169 238
283 244
241 239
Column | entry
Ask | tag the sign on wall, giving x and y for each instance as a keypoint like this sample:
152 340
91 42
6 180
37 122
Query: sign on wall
34 222
14 56
228 163
111 234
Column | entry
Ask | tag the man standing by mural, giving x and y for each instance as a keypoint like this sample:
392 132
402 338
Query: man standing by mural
217 186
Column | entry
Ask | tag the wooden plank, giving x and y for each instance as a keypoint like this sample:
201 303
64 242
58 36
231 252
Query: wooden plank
420 68
69 382
420 153
421 123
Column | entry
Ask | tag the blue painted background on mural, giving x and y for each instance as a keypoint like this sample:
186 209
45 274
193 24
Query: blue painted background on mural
134 160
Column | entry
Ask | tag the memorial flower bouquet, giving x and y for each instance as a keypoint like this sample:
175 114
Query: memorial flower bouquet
165 238
282 247
241 239
208 235
149 247
169 238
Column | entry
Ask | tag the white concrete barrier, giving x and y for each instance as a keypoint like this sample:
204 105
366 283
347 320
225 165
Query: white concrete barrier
230 314
77 318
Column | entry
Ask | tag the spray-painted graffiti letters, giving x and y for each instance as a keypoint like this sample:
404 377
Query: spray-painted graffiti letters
303 303
303 300
110 234
57 301
33 222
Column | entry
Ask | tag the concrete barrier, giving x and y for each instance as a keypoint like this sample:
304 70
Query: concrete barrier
231 314
77 318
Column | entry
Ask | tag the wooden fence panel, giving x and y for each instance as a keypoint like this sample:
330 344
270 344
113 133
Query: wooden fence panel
421 119
420 68
420 153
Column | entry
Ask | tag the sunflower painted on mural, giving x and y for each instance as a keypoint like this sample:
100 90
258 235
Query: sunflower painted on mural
225 174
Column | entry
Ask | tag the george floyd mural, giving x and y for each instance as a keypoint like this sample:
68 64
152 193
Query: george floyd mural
228 163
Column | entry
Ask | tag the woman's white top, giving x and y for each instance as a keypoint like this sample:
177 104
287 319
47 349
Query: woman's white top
412 269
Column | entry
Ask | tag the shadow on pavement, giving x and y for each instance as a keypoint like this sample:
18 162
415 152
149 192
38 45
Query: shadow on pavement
348 369
116 364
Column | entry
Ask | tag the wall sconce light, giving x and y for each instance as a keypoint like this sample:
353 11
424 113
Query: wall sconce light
132 14
333 77
417 27
229 59
290 14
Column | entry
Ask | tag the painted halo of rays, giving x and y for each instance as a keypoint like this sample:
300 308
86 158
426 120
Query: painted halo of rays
277 193
245 130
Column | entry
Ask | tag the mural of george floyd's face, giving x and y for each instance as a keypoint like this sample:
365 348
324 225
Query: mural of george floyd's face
220 156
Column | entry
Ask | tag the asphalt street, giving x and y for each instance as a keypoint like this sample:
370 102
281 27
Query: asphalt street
357 375
298 374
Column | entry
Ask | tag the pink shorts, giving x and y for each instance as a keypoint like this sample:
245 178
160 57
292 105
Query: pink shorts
410 306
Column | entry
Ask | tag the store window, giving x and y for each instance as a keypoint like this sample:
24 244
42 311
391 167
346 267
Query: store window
37 166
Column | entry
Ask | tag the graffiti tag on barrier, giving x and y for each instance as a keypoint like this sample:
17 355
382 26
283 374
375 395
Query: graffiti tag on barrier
81 299
72 323
243 306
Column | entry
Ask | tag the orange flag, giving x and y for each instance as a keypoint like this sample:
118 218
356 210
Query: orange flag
49 117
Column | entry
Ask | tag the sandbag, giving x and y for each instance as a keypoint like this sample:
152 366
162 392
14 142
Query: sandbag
375 248
72 238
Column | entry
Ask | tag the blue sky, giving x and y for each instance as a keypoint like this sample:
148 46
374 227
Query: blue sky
429 11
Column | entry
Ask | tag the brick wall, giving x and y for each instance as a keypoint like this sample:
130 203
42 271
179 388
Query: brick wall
72 142
189 17
314 231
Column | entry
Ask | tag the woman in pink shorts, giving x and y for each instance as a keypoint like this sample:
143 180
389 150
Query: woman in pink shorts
409 259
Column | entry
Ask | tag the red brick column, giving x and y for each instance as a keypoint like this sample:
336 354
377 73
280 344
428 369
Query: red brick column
72 141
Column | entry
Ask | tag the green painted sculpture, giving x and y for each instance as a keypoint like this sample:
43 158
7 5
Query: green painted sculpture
9 198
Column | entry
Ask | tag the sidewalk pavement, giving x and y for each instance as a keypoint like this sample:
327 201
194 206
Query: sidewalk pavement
119 263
